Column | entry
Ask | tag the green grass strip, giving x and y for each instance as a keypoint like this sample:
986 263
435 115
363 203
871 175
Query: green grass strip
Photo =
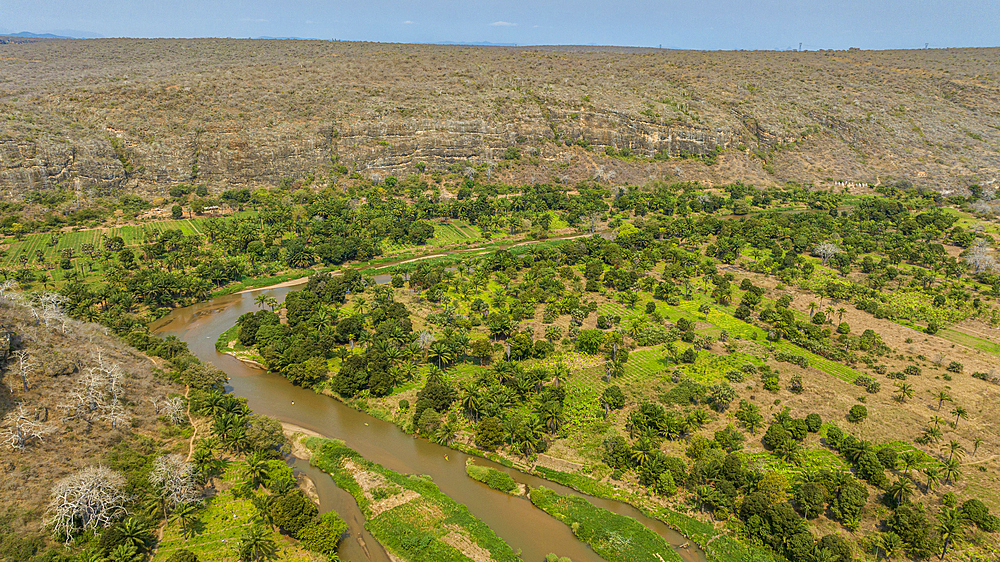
492 477
616 538
415 530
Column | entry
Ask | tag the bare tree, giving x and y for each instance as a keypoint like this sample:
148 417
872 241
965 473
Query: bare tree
48 307
99 393
88 499
980 256
22 427
176 479
25 365
827 250
173 410
116 414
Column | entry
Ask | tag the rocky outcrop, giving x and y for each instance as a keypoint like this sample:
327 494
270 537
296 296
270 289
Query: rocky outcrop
98 116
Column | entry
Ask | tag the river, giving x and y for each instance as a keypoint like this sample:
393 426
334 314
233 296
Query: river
514 519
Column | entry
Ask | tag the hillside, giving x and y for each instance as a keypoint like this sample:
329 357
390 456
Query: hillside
97 115
85 399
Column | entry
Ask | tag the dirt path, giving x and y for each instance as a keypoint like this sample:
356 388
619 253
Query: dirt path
194 434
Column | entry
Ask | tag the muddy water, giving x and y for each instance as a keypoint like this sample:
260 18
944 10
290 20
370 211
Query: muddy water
514 519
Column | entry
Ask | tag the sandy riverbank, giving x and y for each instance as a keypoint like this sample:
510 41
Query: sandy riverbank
292 283
298 449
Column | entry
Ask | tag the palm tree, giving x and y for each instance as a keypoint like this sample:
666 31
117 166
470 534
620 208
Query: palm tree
937 421
134 533
439 351
90 555
256 544
184 515
975 445
933 476
551 414
472 403
941 397
360 304
951 470
840 314
933 433
124 552
445 434
953 448
959 412
950 527
262 505
890 544
904 391
366 339
901 490
642 452
908 461
256 470
812 308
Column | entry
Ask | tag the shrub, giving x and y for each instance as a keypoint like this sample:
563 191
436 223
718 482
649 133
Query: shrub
323 535
869 383
489 433
813 423
613 397
858 413
844 328
689 355
912 371
735 376
954 367
293 511
932 328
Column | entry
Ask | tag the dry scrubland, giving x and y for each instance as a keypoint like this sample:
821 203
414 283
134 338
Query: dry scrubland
65 361
146 114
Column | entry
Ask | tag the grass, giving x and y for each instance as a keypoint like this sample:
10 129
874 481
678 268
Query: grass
970 341
415 530
221 522
717 545
616 538
492 477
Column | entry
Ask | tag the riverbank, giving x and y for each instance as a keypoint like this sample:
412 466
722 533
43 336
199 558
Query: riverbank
409 515
696 534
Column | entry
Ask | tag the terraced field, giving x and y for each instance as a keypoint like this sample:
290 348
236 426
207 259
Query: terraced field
131 234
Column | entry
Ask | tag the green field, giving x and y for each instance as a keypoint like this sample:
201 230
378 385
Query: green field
445 233
132 235
970 341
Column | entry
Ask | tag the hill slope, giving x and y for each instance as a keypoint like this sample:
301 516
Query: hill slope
146 114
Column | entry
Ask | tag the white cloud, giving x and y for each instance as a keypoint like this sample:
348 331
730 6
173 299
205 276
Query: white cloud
408 22
503 24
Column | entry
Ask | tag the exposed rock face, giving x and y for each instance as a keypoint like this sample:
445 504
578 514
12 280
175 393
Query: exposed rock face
103 115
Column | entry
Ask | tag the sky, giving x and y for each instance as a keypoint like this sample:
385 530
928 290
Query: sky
677 24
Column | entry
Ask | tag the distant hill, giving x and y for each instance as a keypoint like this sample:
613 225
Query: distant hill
143 115
61 34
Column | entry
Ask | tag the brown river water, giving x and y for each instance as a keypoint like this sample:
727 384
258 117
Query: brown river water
523 526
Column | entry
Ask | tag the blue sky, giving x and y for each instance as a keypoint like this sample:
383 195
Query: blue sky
697 24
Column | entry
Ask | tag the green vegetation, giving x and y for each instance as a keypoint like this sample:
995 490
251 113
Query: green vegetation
614 537
658 353
407 514
492 477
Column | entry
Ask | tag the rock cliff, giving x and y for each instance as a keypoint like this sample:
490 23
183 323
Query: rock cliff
105 115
